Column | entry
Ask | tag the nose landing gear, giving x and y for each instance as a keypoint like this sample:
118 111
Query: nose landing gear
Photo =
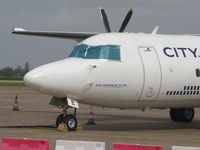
66 118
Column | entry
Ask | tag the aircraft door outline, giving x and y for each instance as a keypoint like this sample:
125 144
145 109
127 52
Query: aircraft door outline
152 76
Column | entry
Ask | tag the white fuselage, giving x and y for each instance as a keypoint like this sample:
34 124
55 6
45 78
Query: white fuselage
155 71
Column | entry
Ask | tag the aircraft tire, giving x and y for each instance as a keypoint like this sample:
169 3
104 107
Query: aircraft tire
188 114
182 114
59 119
71 122
173 114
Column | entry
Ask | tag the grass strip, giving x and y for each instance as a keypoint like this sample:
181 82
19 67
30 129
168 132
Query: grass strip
11 78
11 84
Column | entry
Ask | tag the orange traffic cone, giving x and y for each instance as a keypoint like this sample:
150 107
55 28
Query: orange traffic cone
16 105
91 118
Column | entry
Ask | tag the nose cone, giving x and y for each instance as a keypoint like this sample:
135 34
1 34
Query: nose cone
60 79
34 78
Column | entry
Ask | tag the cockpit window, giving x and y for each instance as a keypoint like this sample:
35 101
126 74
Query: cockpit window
79 51
111 52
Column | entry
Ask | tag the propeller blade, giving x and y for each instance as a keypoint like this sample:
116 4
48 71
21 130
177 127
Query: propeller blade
126 20
105 19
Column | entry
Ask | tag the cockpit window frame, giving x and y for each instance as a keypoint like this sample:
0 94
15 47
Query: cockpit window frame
102 52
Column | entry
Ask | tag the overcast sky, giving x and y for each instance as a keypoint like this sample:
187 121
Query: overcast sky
173 17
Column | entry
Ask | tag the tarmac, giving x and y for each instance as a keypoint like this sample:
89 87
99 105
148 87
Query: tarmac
36 120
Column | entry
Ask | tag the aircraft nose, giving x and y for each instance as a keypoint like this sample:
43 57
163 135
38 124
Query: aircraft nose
34 78
59 78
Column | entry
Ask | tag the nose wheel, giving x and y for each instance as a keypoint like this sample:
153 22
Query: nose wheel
68 119
59 119
71 122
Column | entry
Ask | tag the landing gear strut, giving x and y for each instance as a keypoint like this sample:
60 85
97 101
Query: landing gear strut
66 118
182 114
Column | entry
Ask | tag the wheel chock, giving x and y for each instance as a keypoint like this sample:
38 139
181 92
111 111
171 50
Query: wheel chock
62 127
79 128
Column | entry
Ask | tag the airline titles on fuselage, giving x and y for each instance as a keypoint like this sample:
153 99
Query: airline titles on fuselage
180 52
111 85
